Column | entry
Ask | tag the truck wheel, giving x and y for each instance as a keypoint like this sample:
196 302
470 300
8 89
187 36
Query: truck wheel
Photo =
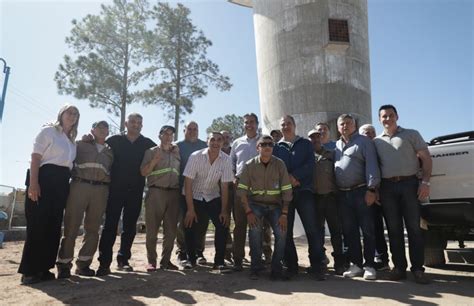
434 249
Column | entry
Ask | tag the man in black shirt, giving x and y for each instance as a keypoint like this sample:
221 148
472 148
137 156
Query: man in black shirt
125 193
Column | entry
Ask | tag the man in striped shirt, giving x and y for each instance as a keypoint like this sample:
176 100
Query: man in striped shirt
207 174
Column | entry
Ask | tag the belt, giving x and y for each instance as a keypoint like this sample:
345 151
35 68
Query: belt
163 188
353 187
396 179
81 180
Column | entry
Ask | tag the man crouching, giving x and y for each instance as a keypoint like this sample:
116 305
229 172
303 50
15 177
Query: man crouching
265 190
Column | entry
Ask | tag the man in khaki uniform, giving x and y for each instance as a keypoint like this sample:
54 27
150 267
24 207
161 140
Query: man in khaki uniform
161 165
265 191
88 195
325 191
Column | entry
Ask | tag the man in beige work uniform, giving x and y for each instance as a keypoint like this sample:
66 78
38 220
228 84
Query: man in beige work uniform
88 195
161 165
265 191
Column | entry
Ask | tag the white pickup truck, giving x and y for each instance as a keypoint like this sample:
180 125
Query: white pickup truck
449 213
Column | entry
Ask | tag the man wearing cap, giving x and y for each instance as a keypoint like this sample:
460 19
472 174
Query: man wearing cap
381 254
126 194
207 175
87 200
400 152
326 141
265 191
161 168
276 135
357 177
325 190
190 144
298 156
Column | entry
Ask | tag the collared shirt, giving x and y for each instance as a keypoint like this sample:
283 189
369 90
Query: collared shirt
324 178
397 154
128 157
299 160
356 162
265 184
243 149
54 147
331 145
186 148
206 177
93 163
166 172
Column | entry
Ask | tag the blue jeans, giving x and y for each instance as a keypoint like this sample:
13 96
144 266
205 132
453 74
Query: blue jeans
400 205
303 202
272 215
357 215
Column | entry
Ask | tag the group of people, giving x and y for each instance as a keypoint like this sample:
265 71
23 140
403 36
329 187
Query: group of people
259 180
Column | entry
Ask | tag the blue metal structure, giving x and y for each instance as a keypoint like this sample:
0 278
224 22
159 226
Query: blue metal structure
6 70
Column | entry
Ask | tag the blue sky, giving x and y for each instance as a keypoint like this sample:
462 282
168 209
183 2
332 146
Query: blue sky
421 57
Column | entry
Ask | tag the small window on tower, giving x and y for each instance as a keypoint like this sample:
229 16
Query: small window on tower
338 30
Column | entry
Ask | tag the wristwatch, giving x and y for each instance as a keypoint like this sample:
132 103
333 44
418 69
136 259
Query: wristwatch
372 189
426 183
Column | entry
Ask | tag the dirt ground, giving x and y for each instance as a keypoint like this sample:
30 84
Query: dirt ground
203 286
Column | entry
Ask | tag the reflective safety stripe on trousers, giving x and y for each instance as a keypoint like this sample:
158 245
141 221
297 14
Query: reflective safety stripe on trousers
164 170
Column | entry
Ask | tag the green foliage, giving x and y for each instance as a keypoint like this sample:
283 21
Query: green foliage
108 49
232 123
179 67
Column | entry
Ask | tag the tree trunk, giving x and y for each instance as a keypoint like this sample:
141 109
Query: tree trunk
176 121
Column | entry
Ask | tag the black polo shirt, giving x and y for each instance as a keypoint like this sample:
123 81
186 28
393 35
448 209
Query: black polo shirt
128 157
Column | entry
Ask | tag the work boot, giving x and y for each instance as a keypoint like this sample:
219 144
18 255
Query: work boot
64 270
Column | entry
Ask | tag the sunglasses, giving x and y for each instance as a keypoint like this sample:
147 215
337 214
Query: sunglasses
266 144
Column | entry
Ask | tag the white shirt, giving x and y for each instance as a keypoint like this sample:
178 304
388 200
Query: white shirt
206 177
54 147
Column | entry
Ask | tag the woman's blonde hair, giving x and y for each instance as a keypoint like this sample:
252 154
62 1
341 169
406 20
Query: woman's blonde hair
58 124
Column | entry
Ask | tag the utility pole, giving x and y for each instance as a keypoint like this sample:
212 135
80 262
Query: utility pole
6 71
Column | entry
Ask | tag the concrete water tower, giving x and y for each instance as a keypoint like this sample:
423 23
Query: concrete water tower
312 60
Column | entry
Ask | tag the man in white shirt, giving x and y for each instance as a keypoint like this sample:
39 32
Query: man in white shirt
207 175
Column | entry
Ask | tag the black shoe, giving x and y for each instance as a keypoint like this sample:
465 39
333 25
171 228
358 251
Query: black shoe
169 266
102 271
64 273
318 275
86 271
253 275
30 279
339 270
275 276
397 275
420 277
221 268
237 267
124 266
182 256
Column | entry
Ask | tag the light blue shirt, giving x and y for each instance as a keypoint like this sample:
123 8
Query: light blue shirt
243 149
356 162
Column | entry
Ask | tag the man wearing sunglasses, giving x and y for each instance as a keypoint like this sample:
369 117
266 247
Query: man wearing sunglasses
265 191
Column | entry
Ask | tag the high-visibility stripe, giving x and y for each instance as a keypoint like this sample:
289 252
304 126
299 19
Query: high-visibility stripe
242 186
93 166
286 187
267 192
163 171
273 192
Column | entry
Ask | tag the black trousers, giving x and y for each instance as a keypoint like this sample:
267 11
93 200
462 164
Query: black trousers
130 201
44 219
205 211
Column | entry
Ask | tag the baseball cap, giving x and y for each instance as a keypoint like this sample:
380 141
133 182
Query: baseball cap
101 122
167 127
313 131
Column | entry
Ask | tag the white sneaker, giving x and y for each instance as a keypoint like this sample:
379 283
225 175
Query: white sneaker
353 271
370 273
